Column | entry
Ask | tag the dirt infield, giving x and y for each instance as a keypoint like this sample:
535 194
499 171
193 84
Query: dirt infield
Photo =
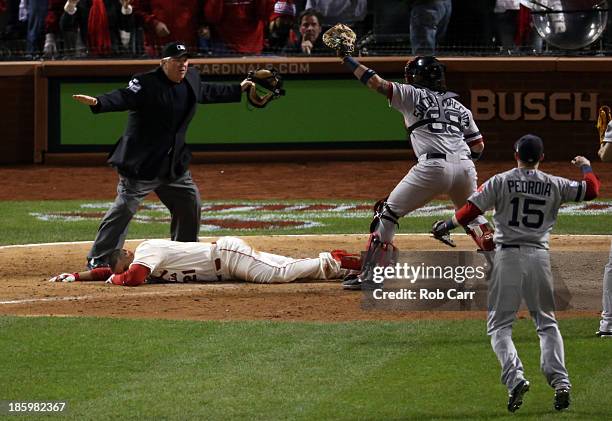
24 271
24 289
369 180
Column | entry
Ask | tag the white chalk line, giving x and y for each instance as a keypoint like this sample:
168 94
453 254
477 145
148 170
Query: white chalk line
103 297
246 237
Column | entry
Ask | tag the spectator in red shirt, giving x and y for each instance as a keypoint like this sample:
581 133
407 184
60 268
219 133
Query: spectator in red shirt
237 26
165 21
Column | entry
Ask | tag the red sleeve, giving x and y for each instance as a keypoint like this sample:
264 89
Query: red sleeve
467 213
2 6
135 275
592 186
142 10
101 274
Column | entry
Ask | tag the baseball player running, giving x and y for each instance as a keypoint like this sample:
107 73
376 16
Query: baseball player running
605 325
228 258
445 139
526 203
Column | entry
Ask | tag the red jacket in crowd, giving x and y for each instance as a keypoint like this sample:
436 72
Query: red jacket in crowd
181 17
239 24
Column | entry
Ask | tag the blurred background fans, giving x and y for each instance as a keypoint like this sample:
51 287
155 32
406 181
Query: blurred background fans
569 24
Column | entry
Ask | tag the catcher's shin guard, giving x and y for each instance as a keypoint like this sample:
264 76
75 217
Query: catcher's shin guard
482 235
378 254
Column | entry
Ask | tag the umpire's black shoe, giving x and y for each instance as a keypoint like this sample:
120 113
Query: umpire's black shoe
96 263
562 399
352 282
603 334
515 399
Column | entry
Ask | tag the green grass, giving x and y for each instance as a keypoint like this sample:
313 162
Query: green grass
111 368
19 226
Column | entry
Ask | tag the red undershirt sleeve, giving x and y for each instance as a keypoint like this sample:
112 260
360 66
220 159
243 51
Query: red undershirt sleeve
100 274
135 275
592 186
467 213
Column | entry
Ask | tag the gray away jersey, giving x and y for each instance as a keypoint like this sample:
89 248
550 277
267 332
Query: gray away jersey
526 204
452 129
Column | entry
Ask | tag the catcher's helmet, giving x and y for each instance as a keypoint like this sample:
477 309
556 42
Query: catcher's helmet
426 71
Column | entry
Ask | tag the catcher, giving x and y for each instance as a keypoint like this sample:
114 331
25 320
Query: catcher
444 137
604 125
228 258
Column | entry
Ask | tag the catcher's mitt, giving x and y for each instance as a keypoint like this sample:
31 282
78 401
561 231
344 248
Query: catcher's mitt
268 86
605 115
340 38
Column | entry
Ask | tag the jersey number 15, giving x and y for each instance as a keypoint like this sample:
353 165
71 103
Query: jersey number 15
529 210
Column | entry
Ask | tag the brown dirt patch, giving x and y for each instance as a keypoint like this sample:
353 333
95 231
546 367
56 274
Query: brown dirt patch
24 272
311 180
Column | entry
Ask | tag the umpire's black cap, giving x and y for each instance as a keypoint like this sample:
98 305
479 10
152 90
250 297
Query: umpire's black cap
175 50
529 148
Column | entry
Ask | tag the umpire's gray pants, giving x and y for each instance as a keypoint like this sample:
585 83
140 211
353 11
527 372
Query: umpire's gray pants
180 196
606 316
525 273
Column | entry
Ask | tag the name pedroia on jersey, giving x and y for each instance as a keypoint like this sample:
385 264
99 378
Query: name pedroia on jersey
538 188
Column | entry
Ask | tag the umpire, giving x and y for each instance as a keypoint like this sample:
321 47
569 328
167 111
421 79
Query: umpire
152 154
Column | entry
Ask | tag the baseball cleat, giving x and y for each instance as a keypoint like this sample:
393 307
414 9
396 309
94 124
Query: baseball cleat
603 334
562 399
515 399
96 263
352 282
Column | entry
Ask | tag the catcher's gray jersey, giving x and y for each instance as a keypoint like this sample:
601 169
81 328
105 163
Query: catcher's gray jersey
526 203
433 131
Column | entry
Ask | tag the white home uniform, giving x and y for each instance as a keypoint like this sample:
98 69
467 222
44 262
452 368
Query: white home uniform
441 130
526 203
228 258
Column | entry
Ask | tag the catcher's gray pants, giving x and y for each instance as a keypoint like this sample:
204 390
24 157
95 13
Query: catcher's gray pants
606 316
524 273
180 196
455 176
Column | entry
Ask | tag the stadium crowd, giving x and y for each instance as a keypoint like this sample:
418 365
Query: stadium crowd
59 29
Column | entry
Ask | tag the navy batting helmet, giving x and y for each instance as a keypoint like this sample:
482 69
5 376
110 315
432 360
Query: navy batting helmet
426 71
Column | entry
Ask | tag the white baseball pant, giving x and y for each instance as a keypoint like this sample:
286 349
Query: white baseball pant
241 262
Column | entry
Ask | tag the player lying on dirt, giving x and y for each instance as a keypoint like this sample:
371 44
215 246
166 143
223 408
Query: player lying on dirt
228 258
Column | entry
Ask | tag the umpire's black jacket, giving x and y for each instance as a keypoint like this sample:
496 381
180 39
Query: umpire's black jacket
149 137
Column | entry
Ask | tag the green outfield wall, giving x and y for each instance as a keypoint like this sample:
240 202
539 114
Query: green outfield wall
313 111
